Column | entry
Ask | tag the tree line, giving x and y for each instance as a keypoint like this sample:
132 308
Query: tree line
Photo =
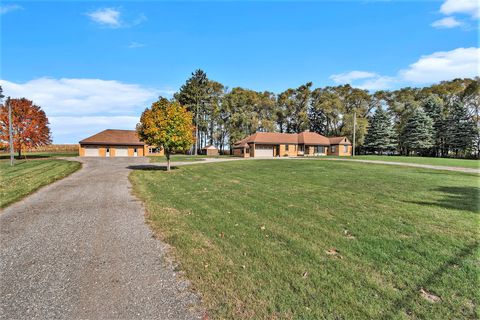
440 120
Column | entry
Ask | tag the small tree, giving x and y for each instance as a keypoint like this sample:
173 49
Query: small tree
417 134
167 124
380 136
29 122
433 106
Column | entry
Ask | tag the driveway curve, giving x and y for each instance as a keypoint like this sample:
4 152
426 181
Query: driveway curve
79 248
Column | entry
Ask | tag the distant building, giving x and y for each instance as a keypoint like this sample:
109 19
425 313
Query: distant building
274 144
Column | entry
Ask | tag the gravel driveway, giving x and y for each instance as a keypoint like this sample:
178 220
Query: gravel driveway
79 248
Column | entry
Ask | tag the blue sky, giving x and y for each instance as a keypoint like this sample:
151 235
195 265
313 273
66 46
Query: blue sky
93 65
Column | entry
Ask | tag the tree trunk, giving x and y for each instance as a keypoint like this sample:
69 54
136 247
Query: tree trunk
168 161
19 153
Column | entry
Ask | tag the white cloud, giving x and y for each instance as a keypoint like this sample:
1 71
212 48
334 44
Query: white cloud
78 108
134 45
113 18
447 23
444 65
468 7
74 129
9 8
348 77
108 17
363 80
64 97
435 67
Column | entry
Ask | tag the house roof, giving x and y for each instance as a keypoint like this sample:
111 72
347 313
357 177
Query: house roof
308 138
339 140
312 138
114 137
209 147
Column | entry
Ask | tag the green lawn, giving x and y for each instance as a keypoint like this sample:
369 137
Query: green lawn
27 176
426 160
184 157
314 239
39 155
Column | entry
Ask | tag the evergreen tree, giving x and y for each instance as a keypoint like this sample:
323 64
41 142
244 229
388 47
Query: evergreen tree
433 106
461 129
417 134
380 136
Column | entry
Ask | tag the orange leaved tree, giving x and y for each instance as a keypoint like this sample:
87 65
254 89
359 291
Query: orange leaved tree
29 122
167 124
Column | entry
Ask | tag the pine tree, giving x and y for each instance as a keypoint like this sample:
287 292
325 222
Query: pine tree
461 129
380 136
434 107
417 134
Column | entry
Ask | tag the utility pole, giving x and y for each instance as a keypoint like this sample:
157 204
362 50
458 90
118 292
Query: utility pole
354 131
10 130
196 128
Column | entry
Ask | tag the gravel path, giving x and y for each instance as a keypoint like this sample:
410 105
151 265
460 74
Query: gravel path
80 248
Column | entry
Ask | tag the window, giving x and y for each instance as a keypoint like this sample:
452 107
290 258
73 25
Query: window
345 149
286 147
300 148
333 149
153 150
319 149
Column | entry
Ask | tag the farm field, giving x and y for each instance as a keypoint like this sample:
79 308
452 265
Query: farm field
27 176
449 162
314 239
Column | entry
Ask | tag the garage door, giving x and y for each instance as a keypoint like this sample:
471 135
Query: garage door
121 152
91 152
263 151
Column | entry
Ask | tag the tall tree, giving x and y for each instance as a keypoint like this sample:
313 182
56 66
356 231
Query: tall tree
195 95
461 129
295 103
29 122
380 136
167 124
417 134
434 107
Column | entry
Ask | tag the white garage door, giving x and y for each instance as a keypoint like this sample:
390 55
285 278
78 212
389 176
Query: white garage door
121 152
263 151
91 152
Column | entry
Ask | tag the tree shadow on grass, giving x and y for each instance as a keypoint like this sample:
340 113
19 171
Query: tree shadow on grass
404 302
151 167
457 198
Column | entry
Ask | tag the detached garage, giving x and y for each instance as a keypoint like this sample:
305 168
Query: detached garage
115 143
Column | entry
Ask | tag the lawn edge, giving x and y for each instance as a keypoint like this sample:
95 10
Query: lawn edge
170 254
33 191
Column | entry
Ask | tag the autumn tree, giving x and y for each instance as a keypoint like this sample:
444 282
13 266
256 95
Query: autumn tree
29 124
169 125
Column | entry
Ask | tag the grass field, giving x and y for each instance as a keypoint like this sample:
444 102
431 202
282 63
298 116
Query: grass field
27 176
40 155
465 163
184 157
314 239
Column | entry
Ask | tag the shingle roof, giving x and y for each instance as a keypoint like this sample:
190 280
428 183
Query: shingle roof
308 138
312 138
339 140
114 137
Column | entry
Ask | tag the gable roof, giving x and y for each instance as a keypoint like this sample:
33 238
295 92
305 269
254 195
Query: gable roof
114 137
210 147
308 138
339 140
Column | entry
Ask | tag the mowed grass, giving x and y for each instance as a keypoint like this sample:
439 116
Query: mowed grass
27 176
40 155
184 158
449 162
269 239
